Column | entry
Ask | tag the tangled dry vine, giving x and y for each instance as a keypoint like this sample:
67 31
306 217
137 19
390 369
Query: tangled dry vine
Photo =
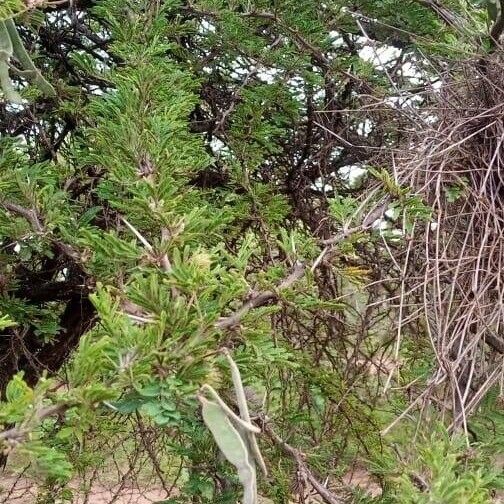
454 262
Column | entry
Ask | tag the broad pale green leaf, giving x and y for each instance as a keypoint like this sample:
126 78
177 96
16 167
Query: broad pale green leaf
232 445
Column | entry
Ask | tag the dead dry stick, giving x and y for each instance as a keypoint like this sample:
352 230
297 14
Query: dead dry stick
326 495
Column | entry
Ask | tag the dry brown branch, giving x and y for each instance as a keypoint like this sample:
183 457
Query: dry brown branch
32 216
296 274
299 458
458 170
19 433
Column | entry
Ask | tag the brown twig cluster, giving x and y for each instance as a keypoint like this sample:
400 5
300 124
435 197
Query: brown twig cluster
454 265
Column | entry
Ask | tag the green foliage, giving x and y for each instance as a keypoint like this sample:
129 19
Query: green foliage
445 471
191 160
456 191
10 8
48 461
5 321
18 398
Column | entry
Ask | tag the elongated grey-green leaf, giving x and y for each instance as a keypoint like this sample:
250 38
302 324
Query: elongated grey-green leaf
6 51
232 445
229 412
11 95
23 57
244 411
5 41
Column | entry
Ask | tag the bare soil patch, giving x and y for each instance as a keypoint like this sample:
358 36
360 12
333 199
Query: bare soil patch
24 491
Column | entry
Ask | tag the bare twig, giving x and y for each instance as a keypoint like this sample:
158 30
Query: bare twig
32 216
261 299
152 454
458 253
299 458
19 433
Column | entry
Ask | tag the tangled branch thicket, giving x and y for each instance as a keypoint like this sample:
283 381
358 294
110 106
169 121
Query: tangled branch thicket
455 261
191 188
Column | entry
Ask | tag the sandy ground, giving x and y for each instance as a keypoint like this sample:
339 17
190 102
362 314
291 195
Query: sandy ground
23 491
359 477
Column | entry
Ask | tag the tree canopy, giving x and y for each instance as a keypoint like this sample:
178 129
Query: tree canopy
250 247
